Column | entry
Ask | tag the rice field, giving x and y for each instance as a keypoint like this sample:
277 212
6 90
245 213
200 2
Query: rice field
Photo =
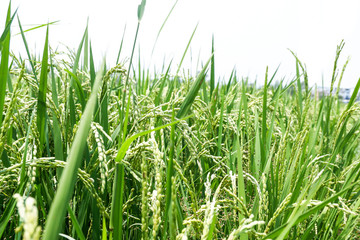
117 152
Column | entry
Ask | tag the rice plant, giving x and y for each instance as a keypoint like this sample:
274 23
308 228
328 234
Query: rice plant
108 153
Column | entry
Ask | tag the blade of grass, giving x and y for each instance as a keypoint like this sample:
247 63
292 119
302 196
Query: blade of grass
272 125
54 91
256 164
239 156
116 217
6 32
22 173
231 78
92 67
169 174
300 98
162 26
273 76
27 50
162 85
5 52
212 70
9 211
174 82
75 224
241 184
86 51
121 46
41 103
37 27
77 86
220 132
348 106
264 124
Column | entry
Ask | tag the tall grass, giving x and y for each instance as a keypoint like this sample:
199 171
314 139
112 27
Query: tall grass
172 157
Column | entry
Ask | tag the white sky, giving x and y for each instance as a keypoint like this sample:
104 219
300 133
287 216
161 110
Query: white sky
249 35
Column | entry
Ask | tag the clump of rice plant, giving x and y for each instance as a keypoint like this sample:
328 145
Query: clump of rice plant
101 153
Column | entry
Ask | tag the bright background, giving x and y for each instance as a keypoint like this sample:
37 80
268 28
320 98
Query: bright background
249 35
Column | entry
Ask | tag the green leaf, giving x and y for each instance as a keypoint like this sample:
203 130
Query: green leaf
9 211
212 71
37 27
169 174
76 224
41 104
27 50
6 31
78 88
220 131
264 123
116 218
5 52
354 95
162 26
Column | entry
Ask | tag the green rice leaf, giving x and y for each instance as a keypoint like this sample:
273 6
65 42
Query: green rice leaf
8 23
37 27
27 50
212 70
169 174
5 52
41 104
264 123
9 211
354 95
162 26
76 224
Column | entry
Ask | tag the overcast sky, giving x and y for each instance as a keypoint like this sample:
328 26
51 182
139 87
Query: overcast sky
249 35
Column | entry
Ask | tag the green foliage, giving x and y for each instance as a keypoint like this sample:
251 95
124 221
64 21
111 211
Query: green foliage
113 156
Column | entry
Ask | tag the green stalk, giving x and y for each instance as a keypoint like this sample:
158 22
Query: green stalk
116 217
169 174
264 124
220 133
